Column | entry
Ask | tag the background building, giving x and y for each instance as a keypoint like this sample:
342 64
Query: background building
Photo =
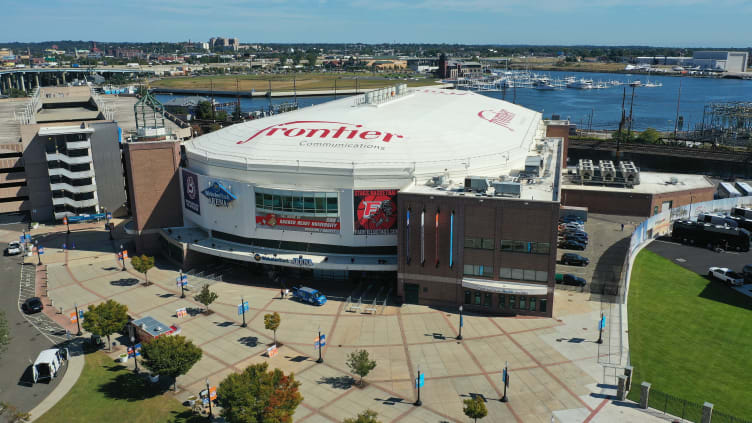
728 61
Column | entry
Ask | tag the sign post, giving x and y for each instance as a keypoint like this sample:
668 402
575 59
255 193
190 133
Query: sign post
601 325
419 382
505 379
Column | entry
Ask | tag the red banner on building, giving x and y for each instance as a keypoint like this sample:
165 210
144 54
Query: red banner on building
375 211
294 223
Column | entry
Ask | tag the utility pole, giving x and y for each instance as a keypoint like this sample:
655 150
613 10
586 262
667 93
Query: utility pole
678 102
631 103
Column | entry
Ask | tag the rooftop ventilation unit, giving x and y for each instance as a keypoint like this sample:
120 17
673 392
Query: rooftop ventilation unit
630 173
507 189
476 184
585 170
608 171
437 181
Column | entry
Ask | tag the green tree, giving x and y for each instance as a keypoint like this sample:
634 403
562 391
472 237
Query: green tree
4 332
271 322
650 136
206 296
311 57
204 110
257 395
106 318
360 363
475 408
142 265
170 356
220 116
368 416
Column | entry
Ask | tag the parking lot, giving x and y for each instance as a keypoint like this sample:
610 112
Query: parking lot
606 250
699 259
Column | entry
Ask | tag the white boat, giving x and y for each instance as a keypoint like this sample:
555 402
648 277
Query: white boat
544 86
635 83
582 84
615 83
653 84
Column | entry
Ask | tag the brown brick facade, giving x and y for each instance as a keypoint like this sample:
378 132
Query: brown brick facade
560 131
632 204
426 260
153 187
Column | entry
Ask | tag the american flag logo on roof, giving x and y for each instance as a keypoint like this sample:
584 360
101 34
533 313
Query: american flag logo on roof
502 117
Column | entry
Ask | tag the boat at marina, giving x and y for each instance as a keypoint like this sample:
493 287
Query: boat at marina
544 86
582 84
636 83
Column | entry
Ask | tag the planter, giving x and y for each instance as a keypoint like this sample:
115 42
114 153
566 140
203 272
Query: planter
123 357
153 378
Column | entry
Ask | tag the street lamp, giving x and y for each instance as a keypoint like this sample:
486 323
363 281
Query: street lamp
320 360
459 336
208 395
133 347
182 289
418 402
505 377
122 257
39 256
107 219
78 320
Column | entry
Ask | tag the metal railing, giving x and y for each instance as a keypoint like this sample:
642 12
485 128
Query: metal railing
675 406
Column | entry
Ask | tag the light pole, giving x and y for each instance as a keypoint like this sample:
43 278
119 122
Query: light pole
122 257
107 216
67 224
505 377
39 254
78 320
459 336
133 347
601 323
182 289
418 402
208 395
320 360
242 308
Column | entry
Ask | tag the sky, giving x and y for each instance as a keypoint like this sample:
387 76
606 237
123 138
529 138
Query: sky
680 23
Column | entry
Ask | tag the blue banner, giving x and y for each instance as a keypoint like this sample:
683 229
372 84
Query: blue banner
461 322
21 238
420 381
40 250
322 341
28 237
72 219
602 323
242 307
504 377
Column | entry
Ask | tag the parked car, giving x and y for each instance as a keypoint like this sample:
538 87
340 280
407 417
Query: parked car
573 259
14 248
570 218
747 272
724 274
571 244
570 279
308 295
579 239
571 226
32 305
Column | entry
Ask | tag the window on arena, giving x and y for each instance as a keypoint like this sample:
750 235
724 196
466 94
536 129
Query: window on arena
323 204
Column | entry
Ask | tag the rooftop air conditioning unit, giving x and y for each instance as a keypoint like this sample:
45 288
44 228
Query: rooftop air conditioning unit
585 169
630 173
608 171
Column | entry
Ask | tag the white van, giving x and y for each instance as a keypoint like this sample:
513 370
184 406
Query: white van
717 219
48 363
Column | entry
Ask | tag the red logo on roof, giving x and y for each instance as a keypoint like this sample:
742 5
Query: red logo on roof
321 129
502 117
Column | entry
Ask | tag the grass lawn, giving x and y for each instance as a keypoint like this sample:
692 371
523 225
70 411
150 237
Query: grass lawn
303 82
689 337
108 391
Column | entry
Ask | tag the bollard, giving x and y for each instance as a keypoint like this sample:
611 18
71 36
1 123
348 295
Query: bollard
644 395
621 388
628 372
707 412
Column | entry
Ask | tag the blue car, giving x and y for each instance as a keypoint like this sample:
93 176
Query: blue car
571 244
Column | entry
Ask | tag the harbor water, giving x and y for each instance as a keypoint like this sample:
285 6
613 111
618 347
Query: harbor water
653 107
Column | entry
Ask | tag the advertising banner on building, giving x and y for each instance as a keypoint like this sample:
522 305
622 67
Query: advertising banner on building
375 211
190 192
296 223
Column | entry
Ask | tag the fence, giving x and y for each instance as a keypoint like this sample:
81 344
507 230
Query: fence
719 417
687 410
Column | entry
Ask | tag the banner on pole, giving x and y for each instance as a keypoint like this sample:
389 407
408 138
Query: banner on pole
505 377
125 254
272 351
243 307
420 381
461 322
319 342
134 351
213 393
181 312
602 324
40 250
181 280
73 317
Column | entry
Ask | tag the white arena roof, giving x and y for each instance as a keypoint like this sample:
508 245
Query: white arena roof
426 131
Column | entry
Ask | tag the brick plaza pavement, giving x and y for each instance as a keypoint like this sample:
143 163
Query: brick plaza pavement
553 362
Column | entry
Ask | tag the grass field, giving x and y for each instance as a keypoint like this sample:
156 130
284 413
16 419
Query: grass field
107 391
303 82
689 337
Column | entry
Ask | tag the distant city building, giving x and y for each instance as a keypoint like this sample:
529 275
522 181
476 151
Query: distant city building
223 43
729 61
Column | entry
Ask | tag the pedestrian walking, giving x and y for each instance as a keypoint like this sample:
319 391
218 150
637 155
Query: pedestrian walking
622 227
281 294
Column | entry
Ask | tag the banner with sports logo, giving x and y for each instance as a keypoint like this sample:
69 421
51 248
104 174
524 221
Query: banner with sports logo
297 223
375 211
190 192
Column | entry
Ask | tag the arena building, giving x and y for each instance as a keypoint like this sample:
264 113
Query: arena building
454 196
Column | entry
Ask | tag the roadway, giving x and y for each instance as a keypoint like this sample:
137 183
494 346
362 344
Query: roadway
26 340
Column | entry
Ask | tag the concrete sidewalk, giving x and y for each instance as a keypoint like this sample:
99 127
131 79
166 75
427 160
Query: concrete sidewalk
75 367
